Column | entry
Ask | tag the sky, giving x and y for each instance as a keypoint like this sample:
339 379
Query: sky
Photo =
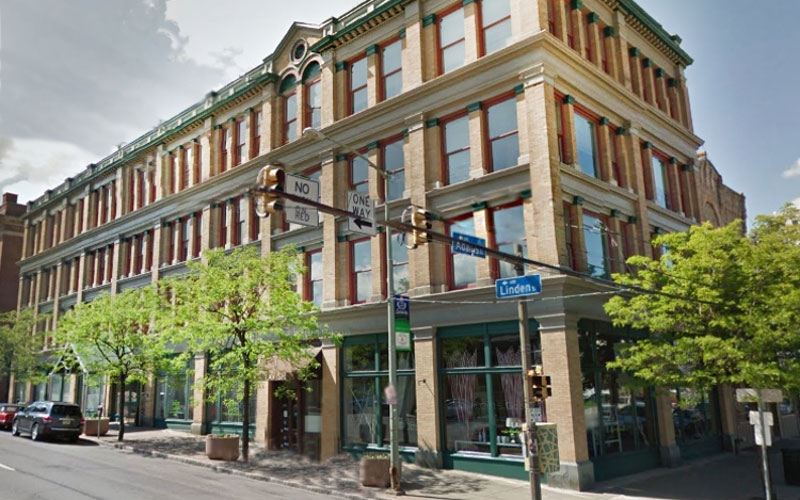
78 78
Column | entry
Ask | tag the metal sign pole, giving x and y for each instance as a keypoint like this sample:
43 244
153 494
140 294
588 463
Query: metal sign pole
532 441
764 456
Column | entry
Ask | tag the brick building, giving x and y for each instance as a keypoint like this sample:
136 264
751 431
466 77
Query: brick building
11 214
561 125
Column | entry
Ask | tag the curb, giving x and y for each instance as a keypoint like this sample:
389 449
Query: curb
235 472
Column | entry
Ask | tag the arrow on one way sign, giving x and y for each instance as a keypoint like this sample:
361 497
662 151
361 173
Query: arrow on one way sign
364 207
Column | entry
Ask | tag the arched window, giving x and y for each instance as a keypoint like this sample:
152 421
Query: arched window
313 98
288 91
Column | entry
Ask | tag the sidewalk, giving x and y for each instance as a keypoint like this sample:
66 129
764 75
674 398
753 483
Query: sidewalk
721 477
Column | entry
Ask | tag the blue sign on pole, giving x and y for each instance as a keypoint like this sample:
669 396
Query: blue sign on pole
518 286
401 306
464 243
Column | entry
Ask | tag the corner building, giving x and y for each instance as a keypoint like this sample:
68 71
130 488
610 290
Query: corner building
561 125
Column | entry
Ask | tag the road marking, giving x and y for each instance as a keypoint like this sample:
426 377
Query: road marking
6 467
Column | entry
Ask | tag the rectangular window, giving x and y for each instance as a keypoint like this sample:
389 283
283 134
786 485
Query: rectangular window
198 234
627 243
560 129
151 181
112 195
290 118
495 24
171 243
183 254
186 165
586 138
101 267
503 138
133 174
256 134
359 174
255 226
198 159
391 69
358 85
616 167
173 172
223 225
361 271
463 268
394 165
75 274
104 193
452 45
400 266
589 53
660 182
570 25
135 249
314 103
240 216
224 138
313 291
240 141
508 224
595 235
149 256
140 188
456 149
684 188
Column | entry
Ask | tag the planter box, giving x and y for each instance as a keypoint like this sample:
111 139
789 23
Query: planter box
222 447
375 472
90 427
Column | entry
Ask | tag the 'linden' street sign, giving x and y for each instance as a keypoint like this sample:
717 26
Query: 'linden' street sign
518 286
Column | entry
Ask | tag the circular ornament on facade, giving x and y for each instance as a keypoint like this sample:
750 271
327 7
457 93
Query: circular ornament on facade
299 51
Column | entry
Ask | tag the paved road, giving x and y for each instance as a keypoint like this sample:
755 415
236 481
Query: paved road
59 471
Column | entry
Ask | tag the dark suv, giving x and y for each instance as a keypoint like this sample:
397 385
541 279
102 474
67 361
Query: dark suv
48 418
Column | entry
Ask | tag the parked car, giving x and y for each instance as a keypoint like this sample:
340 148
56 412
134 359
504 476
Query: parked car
49 419
7 412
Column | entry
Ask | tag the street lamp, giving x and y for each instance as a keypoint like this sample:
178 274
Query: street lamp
393 423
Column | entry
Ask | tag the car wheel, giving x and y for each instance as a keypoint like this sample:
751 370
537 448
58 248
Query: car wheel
14 429
35 433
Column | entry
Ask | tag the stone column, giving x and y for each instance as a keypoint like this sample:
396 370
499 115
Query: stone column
610 43
117 256
161 164
478 167
472 23
207 154
429 453
373 75
578 26
683 92
604 138
26 238
623 158
593 39
199 396
673 100
648 81
527 18
430 57
329 434
661 91
561 360
81 284
617 248
638 179
328 81
668 448
156 248
63 223
412 47
635 69
545 174
340 90
334 252
263 417
568 124
727 412
148 403
480 218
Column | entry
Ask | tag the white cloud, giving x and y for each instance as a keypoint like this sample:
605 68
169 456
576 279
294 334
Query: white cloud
793 171
796 203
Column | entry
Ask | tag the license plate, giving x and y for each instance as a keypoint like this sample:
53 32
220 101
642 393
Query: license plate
66 421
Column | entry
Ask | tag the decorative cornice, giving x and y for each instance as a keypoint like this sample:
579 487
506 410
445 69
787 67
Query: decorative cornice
433 122
428 20
475 106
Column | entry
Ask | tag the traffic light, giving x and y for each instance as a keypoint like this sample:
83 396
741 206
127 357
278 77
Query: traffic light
539 384
270 179
421 221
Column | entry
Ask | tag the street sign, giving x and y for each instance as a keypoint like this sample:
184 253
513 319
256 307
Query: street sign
361 204
519 286
767 395
297 213
402 329
463 243
756 422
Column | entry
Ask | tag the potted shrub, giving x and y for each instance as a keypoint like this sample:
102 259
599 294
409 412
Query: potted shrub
375 470
222 447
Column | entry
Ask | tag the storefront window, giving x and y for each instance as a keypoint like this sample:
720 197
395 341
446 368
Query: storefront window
619 411
94 395
173 396
20 389
40 392
464 268
57 387
483 388
692 414
365 413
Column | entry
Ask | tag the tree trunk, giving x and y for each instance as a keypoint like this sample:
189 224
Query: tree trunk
246 416
121 406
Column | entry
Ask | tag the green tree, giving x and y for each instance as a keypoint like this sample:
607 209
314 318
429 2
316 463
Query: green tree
114 336
241 310
727 308
19 346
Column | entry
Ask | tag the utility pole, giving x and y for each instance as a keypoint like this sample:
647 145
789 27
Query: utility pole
764 456
524 338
